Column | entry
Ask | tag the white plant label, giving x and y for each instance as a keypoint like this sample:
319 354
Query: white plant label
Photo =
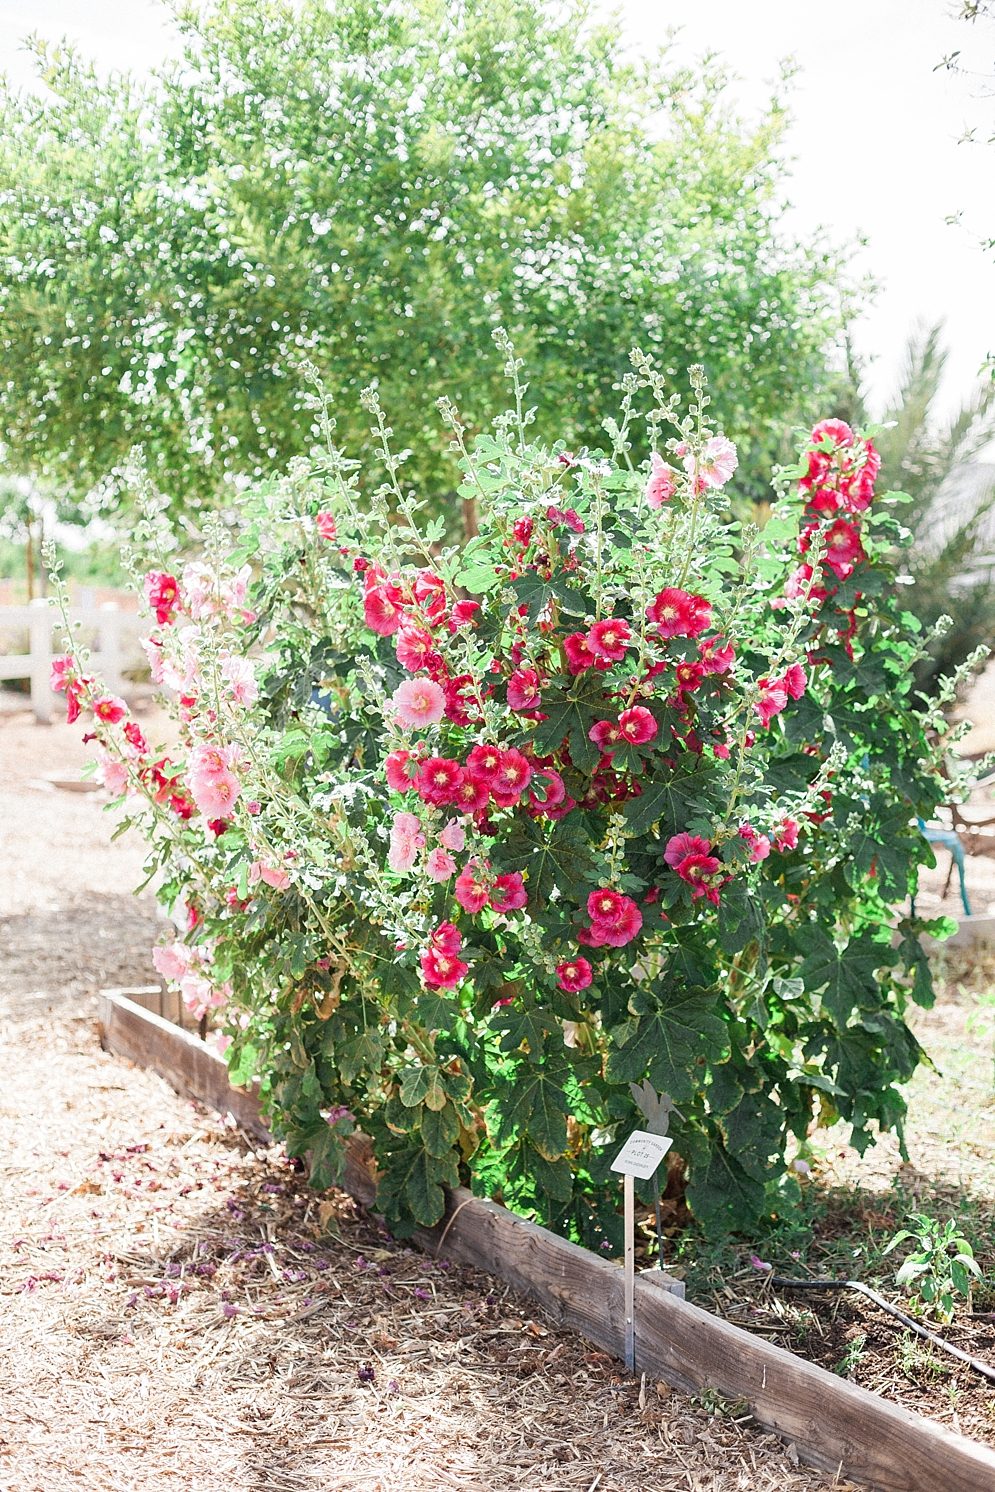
641 1154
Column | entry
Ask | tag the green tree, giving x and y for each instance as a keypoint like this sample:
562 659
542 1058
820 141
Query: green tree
376 188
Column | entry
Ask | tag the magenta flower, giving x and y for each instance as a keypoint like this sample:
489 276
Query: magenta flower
637 725
472 889
523 690
438 780
605 734
573 975
682 845
609 639
508 893
679 614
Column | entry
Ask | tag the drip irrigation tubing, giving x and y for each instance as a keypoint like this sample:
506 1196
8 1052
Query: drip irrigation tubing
973 1362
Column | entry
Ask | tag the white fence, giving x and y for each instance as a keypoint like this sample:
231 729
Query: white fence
116 636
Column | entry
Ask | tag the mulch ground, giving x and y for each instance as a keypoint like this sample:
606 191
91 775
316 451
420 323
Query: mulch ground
179 1311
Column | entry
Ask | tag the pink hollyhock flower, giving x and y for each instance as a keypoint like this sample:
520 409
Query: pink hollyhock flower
325 524
703 873
472 793
661 484
838 431
198 591
569 516
162 592
447 938
688 677
716 463
521 531
211 761
795 680
637 725
716 656
442 970
382 608
485 762
858 486
550 784
453 836
472 889
234 593
418 702
679 614
173 960
438 780
62 672
573 975
615 919
216 795
523 690
110 709
415 647
609 639
440 865
843 549
406 839
605 734
759 844
240 676
270 875
508 893
198 994
773 698
682 845
786 838
430 593
461 614
111 772
396 767
578 653
512 780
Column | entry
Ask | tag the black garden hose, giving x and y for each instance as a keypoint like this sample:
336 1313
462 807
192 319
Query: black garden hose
973 1362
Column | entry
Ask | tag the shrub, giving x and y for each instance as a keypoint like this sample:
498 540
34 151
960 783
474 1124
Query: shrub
467 841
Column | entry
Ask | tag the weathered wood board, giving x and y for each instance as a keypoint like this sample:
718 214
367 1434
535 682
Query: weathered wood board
832 1423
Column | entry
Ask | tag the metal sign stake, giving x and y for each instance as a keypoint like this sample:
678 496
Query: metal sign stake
630 1274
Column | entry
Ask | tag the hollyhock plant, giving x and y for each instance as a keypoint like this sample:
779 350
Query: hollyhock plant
471 837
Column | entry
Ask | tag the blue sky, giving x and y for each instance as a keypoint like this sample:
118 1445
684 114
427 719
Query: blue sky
874 135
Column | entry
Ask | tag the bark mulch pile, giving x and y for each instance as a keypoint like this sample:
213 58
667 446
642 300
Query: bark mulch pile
179 1311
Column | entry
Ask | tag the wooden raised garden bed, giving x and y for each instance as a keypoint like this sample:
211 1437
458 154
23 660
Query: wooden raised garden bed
834 1424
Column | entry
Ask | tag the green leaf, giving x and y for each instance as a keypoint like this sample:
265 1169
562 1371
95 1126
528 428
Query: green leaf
413 1182
667 1044
479 579
552 854
435 1012
669 804
722 1196
440 1129
242 1069
845 976
754 1132
422 1084
540 1105
364 1053
327 1157
572 715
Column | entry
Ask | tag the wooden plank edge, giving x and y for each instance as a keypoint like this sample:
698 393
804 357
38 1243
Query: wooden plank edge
829 1420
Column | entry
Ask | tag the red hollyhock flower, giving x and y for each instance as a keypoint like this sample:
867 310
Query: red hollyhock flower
438 780
162 593
522 531
843 549
512 780
605 734
703 873
325 524
549 783
688 677
382 608
573 975
462 705
508 893
523 690
716 655
462 614
609 639
637 725
786 838
682 845
795 680
442 970
133 735
615 920
360 564
415 647
679 614
472 794
472 889
430 593
396 767
447 938
485 762
578 653
758 844
773 698
569 516
110 709
560 810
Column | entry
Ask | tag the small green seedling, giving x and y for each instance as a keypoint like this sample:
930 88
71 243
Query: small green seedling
941 1265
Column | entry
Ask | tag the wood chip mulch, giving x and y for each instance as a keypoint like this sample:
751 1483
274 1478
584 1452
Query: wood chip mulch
180 1312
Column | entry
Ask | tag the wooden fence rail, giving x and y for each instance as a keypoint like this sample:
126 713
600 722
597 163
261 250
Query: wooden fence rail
116 638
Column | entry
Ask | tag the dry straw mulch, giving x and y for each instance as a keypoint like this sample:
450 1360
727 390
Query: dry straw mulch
178 1311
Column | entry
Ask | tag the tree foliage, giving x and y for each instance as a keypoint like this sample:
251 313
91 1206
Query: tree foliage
375 187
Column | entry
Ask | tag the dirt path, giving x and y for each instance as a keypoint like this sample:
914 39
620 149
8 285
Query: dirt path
176 1312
